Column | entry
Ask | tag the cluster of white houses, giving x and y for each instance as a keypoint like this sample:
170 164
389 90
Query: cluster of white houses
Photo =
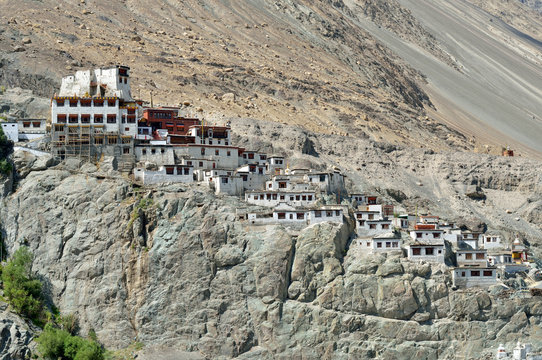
95 112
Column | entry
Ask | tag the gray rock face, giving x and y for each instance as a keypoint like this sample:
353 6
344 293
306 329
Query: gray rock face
15 336
174 267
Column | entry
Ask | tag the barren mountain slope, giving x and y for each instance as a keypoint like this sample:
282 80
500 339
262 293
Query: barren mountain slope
295 62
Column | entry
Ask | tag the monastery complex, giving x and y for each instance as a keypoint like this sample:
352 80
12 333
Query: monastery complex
95 115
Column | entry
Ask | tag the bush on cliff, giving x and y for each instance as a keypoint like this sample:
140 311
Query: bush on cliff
6 148
21 289
55 343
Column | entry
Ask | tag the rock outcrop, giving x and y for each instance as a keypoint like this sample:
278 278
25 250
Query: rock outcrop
174 267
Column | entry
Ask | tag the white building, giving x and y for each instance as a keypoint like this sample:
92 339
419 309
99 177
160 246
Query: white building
427 251
474 276
381 243
113 82
218 156
165 174
11 130
470 238
30 129
253 157
489 241
211 135
326 213
400 222
273 198
427 232
471 258
228 184
329 182
276 165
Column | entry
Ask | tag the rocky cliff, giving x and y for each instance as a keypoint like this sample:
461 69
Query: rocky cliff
174 267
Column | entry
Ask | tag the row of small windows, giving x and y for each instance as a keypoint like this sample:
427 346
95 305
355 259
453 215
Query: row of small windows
282 197
95 119
487 273
389 244
251 156
86 102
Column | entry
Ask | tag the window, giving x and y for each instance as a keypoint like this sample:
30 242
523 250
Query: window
228 153
385 226
418 235
245 177
274 196
488 273
371 216
201 164
125 150
388 244
260 170
436 235
268 196
153 151
111 102
322 178
111 118
169 170
395 244
98 103
282 185
36 124
378 244
202 151
282 197
131 119
291 198
73 103
85 118
255 197
300 216
262 196
480 256
73 119
98 141
291 216
60 102
329 213
224 180
416 251
429 251
112 140
337 213
144 152
216 152
98 118
26 124
61 118
86 102
317 213
462 274
468 256
251 156
475 273
309 197
304 197
162 151
372 226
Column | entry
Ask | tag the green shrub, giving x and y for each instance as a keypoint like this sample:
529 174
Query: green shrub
21 289
51 342
69 322
55 343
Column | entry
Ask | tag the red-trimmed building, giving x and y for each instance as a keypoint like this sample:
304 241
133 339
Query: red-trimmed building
167 118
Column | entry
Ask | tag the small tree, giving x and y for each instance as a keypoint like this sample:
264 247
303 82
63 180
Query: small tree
22 290
6 148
